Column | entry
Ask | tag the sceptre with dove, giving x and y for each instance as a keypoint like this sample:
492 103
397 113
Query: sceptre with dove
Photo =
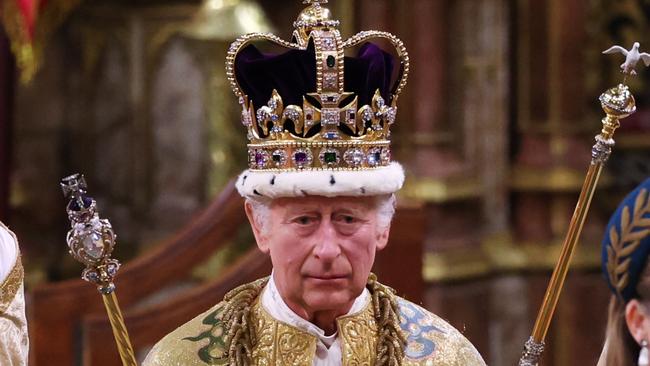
617 103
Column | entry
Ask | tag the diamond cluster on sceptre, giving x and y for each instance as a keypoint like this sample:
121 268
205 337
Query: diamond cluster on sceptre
90 240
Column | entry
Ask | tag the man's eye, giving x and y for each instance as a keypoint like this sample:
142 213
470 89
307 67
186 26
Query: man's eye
348 219
304 220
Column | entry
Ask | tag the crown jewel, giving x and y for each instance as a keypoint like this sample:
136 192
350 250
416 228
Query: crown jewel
338 120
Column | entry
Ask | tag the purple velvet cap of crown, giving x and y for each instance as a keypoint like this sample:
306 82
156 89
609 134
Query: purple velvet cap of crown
293 74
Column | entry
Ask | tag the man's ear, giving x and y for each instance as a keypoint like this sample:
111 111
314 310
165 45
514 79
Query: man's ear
636 319
382 238
260 237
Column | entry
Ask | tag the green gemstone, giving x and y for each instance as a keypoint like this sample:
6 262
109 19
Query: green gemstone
331 61
329 157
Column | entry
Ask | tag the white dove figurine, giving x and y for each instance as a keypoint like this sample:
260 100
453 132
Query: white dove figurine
631 57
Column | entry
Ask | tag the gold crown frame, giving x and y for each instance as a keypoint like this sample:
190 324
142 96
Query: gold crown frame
362 144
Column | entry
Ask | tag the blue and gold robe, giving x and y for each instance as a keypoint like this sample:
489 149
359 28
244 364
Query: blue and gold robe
201 341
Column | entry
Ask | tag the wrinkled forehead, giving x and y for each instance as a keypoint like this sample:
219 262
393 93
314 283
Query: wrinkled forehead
328 203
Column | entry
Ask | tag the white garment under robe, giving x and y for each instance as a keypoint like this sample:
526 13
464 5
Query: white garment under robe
8 253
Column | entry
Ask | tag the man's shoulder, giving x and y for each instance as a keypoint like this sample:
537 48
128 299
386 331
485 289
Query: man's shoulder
197 342
430 338
202 340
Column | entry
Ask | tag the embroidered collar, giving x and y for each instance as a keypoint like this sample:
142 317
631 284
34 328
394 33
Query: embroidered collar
276 307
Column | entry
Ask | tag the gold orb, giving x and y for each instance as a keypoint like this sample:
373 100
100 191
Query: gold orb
618 102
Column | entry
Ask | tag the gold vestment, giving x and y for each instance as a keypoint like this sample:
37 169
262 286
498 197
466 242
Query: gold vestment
430 340
14 341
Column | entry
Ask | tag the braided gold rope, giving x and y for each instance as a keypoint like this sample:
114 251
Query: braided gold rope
237 321
391 342
634 228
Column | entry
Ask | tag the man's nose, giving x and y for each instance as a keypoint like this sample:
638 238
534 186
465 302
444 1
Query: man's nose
327 247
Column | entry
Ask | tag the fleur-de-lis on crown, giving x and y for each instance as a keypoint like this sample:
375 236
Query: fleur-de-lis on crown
385 111
271 112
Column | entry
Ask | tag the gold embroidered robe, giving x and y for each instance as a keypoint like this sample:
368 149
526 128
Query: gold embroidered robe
14 342
430 340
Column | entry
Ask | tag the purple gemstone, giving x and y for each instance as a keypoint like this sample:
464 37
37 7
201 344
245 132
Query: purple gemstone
260 159
79 203
300 157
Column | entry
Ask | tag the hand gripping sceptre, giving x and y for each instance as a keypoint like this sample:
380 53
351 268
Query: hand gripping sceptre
91 241
618 103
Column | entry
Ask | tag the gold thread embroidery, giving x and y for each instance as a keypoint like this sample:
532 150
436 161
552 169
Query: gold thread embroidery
277 343
247 328
451 347
633 230
10 286
359 334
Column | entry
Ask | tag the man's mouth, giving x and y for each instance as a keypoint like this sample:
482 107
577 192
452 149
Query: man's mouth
328 277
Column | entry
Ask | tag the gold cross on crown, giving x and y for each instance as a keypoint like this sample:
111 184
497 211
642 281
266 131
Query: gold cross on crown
313 2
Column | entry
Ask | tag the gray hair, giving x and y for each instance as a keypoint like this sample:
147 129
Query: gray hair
385 205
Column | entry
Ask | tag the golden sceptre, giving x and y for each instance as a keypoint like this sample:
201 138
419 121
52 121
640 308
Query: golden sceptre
91 241
618 103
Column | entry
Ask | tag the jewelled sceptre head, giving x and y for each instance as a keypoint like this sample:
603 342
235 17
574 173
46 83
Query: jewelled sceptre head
617 103
91 241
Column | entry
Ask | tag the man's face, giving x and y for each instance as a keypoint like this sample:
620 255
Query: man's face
322 249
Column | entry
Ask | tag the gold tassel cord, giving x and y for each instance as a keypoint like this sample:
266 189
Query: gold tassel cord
392 340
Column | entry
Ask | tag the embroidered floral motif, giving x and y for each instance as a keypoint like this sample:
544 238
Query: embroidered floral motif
213 352
359 334
418 326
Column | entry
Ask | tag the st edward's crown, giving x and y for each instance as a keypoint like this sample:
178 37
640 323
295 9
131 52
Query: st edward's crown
312 107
